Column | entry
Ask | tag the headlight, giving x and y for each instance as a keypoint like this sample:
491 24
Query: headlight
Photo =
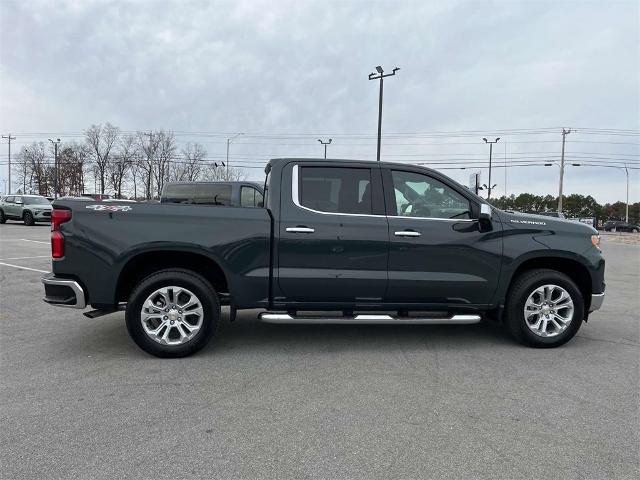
595 240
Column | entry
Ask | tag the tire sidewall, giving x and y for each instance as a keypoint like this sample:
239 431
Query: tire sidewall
3 218
517 322
198 286
28 219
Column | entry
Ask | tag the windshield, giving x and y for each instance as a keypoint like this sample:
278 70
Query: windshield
35 201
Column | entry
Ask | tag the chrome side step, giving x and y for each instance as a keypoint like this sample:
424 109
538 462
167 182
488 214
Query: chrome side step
368 320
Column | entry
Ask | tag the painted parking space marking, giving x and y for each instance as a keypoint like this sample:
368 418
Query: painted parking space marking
24 268
34 241
24 258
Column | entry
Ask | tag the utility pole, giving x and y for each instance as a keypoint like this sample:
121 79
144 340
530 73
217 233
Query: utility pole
564 135
381 76
55 166
150 134
325 147
9 137
229 140
626 216
490 187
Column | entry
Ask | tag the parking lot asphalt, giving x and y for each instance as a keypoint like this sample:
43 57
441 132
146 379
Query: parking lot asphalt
80 400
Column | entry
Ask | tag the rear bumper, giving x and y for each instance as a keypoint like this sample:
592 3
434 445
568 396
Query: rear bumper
597 299
63 292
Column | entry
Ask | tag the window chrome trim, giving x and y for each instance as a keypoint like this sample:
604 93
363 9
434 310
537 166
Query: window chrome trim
295 196
296 199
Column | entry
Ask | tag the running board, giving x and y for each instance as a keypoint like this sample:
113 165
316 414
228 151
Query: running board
369 320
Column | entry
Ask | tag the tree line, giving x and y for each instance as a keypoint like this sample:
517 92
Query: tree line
121 164
573 206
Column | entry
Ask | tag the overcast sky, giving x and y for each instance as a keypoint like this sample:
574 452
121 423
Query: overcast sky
287 72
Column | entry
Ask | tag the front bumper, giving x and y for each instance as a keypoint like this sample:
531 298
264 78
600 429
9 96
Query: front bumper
63 292
597 299
44 216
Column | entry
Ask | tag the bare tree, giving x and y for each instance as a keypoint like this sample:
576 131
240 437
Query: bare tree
190 167
34 171
73 160
165 153
147 146
121 163
101 140
216 172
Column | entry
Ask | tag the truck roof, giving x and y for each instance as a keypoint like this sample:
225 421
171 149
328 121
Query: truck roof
280 161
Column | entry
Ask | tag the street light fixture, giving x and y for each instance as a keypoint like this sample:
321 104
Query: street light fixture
490 187
381 76
325 146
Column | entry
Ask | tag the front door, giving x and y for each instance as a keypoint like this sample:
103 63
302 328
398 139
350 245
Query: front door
333 235
439 254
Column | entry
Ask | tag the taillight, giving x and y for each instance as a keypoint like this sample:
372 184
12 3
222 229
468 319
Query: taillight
57 239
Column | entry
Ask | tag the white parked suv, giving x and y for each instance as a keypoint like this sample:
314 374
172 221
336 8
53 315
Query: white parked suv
26 208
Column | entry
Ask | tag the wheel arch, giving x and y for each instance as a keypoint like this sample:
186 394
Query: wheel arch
145 263
571 267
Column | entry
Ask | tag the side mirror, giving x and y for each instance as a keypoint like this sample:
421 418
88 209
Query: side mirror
19 202
485 212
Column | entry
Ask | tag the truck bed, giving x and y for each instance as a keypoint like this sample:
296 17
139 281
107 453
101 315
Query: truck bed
101 239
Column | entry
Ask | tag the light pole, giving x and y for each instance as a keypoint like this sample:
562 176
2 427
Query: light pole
9 137
626 171
490 187
55 166
229 140
381 76
325 146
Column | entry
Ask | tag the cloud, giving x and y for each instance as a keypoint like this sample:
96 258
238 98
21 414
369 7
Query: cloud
291 67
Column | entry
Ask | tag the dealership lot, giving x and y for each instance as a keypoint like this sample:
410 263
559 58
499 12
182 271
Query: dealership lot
79 399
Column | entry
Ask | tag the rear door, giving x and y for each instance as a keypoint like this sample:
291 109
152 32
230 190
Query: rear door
440 254
10 207
333 234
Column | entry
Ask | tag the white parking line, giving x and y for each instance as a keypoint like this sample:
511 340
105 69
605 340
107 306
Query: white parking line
34 241
23 268
24 258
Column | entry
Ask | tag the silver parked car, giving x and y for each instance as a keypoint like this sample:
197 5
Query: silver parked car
26 208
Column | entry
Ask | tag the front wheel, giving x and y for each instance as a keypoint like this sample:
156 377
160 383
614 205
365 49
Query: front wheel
172 313
3 218
28 219
545 308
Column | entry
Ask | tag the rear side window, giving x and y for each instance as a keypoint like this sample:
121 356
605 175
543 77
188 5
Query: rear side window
336 189
198 194
250 197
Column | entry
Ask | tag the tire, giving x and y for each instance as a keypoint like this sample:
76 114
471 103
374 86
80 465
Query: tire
635 230
531 282
191 284
3 218
27 217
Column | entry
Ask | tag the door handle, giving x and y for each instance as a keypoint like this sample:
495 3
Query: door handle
407 233
300 230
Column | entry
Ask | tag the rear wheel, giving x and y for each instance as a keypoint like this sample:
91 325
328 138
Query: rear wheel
545 308
172 313
28 219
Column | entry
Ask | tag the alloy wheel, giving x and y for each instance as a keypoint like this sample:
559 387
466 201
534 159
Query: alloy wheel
172 315
548 310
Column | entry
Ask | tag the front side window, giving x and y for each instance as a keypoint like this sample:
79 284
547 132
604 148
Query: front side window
336 189
419 195
36 200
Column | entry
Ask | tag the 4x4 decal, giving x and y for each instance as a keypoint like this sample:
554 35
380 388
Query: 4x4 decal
110 208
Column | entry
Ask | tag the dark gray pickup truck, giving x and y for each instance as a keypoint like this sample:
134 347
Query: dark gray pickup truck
336 242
